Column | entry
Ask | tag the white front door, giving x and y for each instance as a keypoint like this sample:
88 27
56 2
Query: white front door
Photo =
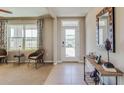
70 43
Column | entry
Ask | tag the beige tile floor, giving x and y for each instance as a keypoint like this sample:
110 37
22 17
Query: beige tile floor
23 74
66 74
49 74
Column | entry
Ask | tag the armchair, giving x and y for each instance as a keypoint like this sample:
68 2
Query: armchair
38 56
3 55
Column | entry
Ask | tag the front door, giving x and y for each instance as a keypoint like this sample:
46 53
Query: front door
70 43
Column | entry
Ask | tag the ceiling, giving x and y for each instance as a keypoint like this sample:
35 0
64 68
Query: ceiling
24 11
71 11
39 11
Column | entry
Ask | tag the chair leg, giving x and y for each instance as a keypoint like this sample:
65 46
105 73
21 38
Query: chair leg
28 62
6 61
39 60
0 60
43 61
36 64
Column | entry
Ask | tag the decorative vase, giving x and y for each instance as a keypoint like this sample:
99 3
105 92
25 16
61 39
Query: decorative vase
108 47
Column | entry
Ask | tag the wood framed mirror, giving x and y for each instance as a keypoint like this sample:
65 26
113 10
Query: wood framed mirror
105 27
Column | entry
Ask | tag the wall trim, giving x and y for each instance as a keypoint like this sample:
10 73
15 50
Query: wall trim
79 61
47 61
59 61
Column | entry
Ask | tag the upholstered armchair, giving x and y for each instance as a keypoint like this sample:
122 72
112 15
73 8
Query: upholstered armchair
3 55
38 56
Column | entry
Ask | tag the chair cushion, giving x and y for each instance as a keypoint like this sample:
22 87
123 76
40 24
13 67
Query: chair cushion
2 56
33 57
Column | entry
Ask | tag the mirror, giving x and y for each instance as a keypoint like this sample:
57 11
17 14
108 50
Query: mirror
105 28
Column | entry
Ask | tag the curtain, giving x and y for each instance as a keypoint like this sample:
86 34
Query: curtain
40 25
3 34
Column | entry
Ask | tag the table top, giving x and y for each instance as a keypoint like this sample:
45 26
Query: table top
21 55
101 70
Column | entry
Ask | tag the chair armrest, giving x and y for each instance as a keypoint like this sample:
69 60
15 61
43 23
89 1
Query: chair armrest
39 56
32 54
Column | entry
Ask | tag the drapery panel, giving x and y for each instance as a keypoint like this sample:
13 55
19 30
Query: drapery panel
40 26
3 34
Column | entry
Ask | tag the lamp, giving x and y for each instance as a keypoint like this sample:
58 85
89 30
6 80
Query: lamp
19 49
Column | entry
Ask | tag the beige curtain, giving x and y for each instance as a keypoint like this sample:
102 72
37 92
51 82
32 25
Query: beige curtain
40 25
3 34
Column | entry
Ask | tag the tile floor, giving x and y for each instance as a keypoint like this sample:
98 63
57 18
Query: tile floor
23 74
66 74
48 74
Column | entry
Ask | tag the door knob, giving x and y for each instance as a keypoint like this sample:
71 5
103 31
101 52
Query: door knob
63 42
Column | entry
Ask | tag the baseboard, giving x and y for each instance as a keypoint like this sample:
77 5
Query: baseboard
11 61
46 61
81 61
59 61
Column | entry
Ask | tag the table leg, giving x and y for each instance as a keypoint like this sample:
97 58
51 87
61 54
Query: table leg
19 60
84 69
116 80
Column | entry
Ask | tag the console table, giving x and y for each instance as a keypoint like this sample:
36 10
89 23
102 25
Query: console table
100 69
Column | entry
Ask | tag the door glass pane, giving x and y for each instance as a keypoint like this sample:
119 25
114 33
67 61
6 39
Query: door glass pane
70 42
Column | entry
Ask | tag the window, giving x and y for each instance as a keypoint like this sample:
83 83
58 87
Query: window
30 37
22 37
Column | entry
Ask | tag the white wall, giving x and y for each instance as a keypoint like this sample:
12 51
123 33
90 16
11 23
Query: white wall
48 39
116 58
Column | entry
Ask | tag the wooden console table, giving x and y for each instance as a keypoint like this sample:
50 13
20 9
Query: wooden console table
100 69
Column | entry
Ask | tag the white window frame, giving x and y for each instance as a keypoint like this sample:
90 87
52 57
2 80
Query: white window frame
23 41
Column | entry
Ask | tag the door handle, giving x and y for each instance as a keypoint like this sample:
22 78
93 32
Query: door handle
63 43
